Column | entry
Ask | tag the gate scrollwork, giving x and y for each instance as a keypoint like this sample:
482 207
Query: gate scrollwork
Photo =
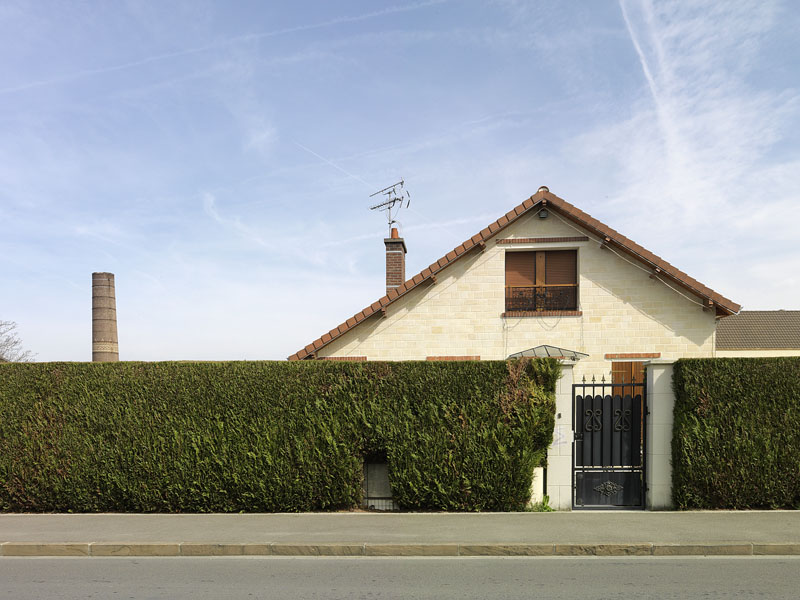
593 422
622 420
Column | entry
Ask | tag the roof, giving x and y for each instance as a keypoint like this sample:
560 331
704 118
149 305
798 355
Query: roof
546 351
613 239
760 330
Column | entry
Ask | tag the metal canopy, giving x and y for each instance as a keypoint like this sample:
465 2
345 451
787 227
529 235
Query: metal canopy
546 351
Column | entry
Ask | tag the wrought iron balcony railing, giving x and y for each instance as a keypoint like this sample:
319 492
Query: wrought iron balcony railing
542 297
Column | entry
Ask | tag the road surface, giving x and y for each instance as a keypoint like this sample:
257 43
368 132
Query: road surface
388 578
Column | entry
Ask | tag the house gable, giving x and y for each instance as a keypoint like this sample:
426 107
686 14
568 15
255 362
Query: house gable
569 227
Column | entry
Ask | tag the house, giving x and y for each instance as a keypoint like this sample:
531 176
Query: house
759 333
547 279
544 274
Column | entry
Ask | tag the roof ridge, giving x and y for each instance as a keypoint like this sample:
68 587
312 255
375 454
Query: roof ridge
770 310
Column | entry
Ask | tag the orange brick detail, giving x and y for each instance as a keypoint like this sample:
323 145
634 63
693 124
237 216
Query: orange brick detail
453 358
543 240
542 313
634 355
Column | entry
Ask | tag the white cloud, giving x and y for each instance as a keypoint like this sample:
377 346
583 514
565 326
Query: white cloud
694 166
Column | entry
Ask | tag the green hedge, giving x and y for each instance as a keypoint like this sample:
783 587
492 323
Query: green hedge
736 435
270 436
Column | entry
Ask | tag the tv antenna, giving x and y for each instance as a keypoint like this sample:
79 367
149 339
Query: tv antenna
395 198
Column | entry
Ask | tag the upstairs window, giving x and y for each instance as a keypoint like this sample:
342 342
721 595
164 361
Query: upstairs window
542 280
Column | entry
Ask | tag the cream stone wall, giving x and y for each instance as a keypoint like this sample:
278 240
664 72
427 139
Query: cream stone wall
624 311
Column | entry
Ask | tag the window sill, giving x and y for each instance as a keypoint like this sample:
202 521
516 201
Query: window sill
542 313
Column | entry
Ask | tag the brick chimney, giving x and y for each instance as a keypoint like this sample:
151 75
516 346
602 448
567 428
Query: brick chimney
395 260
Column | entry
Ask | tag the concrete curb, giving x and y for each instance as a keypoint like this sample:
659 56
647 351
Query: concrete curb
195 549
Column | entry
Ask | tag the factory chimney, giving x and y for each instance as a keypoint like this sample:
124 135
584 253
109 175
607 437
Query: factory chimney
105 346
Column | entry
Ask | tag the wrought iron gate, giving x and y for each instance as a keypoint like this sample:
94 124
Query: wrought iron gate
608 451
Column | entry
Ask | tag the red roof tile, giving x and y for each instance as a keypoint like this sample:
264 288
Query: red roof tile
723 305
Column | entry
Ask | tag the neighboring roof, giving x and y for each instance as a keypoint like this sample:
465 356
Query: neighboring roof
546 351
613 239
760 330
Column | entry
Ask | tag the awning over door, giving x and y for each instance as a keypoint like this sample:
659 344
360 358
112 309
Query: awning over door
546 351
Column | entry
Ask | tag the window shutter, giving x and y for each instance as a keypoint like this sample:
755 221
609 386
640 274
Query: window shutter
520 269
626 372
561 266
620 373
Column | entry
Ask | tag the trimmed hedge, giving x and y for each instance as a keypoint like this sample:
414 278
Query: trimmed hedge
270 436
736 434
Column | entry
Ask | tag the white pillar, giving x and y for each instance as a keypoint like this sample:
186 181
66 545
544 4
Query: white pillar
537 489
559 455
661 401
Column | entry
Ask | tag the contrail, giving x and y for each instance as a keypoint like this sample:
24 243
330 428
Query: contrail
334 165
225 43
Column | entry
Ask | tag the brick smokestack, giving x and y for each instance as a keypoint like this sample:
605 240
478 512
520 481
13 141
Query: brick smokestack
105 346
395 260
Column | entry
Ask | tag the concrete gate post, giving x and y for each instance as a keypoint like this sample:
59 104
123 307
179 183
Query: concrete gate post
661 401
559 455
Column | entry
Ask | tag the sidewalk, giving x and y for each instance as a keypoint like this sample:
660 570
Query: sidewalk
403 534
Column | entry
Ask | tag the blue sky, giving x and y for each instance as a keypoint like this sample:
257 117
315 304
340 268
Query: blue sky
218 157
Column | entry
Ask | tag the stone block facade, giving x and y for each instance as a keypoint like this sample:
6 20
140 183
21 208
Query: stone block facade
622 310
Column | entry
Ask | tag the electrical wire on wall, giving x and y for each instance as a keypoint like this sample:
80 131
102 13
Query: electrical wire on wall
641 268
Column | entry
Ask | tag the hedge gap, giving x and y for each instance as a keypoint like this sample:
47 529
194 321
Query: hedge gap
270 436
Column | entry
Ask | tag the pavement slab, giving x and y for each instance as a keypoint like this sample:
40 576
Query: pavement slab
577 533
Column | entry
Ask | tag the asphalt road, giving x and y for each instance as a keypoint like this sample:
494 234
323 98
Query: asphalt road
387 578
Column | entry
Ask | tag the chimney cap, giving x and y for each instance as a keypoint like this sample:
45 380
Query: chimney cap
395 240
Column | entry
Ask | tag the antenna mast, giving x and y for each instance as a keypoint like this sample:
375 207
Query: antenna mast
395 197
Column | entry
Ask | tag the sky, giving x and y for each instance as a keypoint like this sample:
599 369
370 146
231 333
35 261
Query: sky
218 157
